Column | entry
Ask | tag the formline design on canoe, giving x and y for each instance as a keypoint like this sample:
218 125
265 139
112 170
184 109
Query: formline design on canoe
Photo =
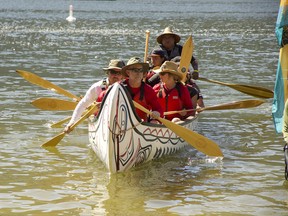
122 141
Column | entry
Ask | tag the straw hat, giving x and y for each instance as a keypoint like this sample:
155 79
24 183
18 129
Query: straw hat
115 64
170 67
134 61
168 31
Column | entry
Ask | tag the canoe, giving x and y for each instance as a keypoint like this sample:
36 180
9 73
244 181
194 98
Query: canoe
122 141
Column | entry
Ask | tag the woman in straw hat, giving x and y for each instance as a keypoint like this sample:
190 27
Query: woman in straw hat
135 71
193 88
113 72
171 93
168 41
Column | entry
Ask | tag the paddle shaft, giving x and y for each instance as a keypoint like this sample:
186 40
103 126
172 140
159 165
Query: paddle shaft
198 141
61 122
146 45
233 105
55 140
34 79
246 89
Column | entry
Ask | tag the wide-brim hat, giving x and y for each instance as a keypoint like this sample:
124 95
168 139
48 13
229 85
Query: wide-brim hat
170 67
134 61
168 31
115 64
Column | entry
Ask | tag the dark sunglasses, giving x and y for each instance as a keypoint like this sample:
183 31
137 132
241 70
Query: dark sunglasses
136 70
114 72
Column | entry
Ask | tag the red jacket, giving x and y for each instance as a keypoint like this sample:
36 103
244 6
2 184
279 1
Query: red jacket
174 99
146 97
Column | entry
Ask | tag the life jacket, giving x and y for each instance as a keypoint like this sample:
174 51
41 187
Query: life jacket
139 97
171 100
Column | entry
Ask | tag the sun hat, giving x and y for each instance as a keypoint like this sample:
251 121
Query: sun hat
168 31
134 61
115 64
170 67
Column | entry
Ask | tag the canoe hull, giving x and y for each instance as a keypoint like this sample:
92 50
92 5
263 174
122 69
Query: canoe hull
122 141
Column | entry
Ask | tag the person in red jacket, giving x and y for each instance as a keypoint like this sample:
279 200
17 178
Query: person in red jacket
133 74
172 94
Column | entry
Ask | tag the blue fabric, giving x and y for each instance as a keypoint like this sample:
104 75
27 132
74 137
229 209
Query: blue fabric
279 97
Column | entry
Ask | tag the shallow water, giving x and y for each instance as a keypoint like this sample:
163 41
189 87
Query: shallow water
234 43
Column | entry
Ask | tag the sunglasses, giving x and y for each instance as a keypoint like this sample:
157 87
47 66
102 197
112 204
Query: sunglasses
136 70
114 72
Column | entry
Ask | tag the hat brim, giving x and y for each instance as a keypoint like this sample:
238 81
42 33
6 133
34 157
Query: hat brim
156 55
180 75
145 68
160 37
112 68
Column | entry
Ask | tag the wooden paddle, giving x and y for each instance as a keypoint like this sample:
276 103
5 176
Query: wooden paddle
250 90
54 104
34 79
233 105
198 141
186 56
55 140
61 122
146 45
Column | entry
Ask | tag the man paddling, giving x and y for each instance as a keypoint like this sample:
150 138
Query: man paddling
113 72
133 74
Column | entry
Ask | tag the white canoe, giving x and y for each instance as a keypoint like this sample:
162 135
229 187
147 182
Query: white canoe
122 141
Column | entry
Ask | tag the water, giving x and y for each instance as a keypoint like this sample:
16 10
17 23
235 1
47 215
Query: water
234 43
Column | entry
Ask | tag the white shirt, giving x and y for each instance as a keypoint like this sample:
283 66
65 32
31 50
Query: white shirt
91 96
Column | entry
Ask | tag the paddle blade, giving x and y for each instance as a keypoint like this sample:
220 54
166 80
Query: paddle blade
54 104
254 91
186 56
235 105
54 141
34 79
246 89
198 141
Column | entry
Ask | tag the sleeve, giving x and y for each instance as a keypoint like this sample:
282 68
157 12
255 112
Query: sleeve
90 96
